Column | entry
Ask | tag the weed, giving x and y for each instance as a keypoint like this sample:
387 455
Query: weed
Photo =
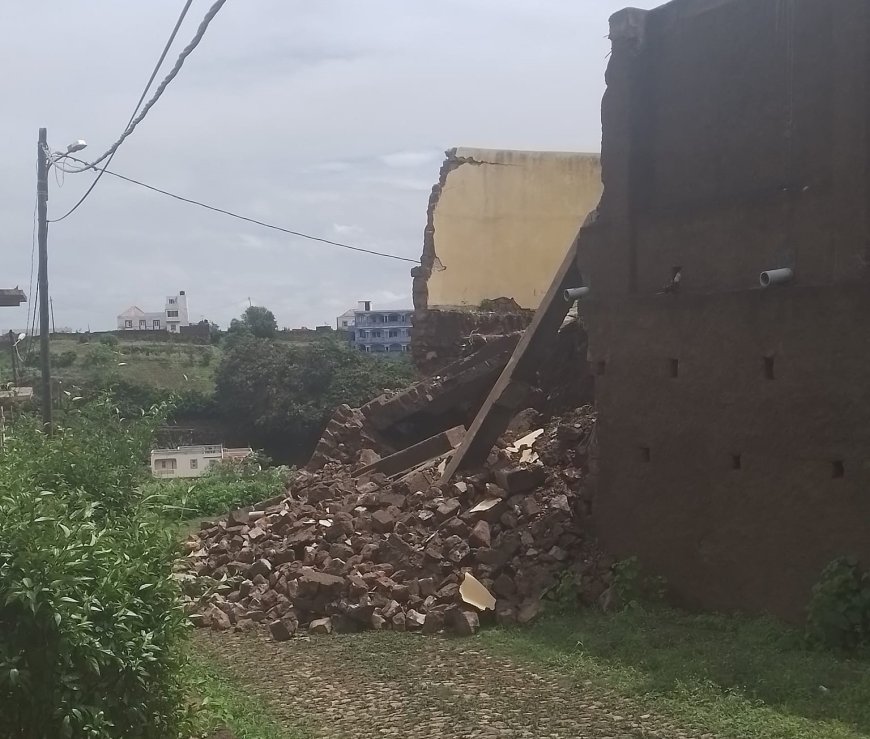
839 610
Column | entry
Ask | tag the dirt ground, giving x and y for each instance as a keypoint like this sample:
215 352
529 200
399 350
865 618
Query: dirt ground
399 685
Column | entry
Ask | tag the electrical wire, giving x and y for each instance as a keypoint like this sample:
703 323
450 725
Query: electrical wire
253 220
137 116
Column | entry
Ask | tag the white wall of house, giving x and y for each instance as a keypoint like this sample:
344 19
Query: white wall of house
191 461
176 312
173 316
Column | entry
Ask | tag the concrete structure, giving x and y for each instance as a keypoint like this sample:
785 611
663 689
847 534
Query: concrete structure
734 420
12 296
500 223
172 318
192 461
498 226
381 331
344 322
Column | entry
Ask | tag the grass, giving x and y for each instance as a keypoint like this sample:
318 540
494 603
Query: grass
222 703
165 365
226 488
735 677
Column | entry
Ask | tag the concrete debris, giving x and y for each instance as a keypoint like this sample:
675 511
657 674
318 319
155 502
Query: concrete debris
340 553
475 594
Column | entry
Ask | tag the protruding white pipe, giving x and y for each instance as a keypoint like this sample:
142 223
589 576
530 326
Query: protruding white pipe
776 277
575 293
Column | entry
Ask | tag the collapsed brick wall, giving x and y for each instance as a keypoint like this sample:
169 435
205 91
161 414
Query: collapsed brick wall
441 336
734 422
498 224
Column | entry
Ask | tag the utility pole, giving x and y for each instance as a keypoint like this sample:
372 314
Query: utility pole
42 215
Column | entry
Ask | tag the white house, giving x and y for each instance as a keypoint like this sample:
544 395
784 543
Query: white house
192 461
344 322
173 316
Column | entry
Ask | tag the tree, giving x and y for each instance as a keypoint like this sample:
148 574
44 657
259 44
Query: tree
283 394
258 320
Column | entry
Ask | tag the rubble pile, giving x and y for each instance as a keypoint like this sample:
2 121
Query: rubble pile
393 420
341 553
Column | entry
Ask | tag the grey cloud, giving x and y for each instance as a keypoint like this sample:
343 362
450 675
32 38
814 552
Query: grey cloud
310 115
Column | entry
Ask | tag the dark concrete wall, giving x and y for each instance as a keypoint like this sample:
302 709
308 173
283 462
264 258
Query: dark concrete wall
735 140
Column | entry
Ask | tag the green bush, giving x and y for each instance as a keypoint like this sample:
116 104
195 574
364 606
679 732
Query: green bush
839 610
90 619
100 355
632 588
223 488
64 359
109 340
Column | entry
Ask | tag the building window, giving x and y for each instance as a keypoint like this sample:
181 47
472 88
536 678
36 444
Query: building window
394 334
171 301
344 323
376 334
166 464
194 464
143 324
156 325
367 348
173 327
406 347
394 318
172 314
128 324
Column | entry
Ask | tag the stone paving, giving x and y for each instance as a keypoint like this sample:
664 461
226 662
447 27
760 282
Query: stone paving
393 685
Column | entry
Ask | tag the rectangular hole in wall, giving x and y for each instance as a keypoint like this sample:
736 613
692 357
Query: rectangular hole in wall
768 368
674 367
645 454
838 469
736 462
601 367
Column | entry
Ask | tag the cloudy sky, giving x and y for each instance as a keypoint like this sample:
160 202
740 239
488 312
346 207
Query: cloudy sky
327 117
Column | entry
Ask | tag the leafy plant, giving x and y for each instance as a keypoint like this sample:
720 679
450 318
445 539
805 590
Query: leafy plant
288 391
564 596
632 588
839 610
64 359
109 340
100 355
225 487
90 617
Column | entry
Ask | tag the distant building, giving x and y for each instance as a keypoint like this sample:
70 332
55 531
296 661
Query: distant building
344 322
192 461
379 330
12 296
172 318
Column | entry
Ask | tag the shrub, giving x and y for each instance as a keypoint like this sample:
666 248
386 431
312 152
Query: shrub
109 340
64 359
90 618
631 588
223 488
839 610
99 355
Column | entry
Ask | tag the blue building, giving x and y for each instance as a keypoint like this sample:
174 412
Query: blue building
381 331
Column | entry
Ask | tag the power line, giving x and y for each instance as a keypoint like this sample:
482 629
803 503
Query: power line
252 220
136 119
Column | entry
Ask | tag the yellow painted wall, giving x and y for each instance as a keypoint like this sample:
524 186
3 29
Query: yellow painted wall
503 227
